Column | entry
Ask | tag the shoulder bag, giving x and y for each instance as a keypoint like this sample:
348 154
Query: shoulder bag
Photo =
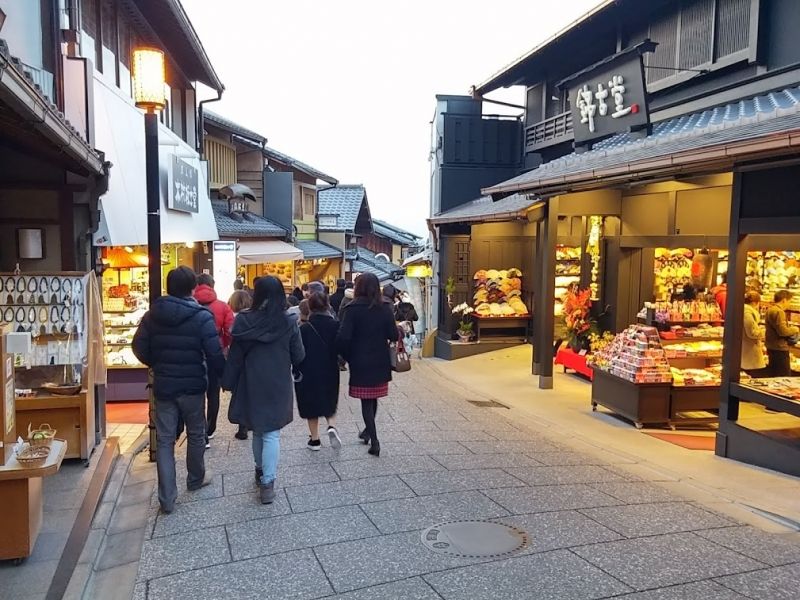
400 360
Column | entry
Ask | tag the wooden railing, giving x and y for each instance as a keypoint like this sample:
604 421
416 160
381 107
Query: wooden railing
221 163
548 132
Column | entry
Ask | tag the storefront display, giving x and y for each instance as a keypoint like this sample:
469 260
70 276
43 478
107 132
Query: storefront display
693 312
499 311
568 274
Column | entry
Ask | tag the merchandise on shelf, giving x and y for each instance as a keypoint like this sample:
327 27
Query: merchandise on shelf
703 330
125 302
694 311
787 387
672 269
499 293
635 355
283 271
705 349
708 377
568 273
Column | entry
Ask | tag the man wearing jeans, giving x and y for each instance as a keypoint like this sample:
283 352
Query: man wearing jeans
178 340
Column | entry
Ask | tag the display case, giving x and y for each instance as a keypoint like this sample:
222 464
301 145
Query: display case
500 312
568 273
55 379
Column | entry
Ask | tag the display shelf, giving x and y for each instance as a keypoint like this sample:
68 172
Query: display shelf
642 403
769 399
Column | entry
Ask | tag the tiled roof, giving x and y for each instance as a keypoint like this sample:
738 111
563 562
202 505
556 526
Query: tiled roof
483 209
400 236
299 165
224 123
253 226
313 249
344 202
747 119
367 262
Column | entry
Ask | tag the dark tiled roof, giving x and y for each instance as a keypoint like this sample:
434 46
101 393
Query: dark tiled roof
344 202
224 123
299 165
313 249
367 262
397 235
254 226
484 209
743 120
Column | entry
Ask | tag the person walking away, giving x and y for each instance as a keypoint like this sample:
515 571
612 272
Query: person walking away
317 387
390 295
720 293
240 301
337 297
294 307
266 346
349 294
367 328
177 339
406 313
223 319
753 362
303 311
778 332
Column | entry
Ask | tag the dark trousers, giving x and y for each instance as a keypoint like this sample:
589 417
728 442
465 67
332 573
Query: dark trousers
212 398
168 414
369 408
779 365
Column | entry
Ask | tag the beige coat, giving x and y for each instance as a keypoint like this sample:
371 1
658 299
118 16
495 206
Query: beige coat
752 336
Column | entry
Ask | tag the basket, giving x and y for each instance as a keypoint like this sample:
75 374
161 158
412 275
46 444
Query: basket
62 390
41 437
33 456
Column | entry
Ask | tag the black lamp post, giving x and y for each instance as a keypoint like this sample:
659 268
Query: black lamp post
148 93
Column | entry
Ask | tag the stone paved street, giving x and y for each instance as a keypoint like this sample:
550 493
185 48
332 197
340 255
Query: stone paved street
348 526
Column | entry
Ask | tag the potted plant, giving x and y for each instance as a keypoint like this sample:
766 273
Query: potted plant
579 323
465 323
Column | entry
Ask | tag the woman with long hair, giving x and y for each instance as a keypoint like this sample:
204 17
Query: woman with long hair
367 329
266 346
317 388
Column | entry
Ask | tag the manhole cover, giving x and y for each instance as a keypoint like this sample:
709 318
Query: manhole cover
474 539
487 404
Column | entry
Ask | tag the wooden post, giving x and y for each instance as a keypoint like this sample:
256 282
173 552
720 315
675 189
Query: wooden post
546 304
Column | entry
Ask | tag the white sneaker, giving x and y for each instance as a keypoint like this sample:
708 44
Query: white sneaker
333 436
211 437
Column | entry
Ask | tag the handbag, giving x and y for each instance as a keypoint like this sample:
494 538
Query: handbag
401 361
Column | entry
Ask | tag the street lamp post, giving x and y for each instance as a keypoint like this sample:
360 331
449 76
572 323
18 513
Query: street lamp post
148 93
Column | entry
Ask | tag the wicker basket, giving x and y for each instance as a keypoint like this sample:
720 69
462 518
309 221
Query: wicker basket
42 436
33 456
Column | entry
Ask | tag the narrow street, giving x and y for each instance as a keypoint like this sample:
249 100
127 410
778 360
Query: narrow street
347 525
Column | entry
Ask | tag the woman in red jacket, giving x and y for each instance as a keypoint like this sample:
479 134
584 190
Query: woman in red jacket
223 319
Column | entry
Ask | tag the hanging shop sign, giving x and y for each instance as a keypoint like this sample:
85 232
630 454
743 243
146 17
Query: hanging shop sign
183 194
609 97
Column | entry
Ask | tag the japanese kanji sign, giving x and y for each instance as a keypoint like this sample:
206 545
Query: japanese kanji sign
608 99
183 195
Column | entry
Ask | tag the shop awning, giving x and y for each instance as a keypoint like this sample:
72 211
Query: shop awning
123 208
484 210
252 252
709 141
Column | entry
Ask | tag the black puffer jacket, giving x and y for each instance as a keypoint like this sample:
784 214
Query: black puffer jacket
363 340
176 338
259 370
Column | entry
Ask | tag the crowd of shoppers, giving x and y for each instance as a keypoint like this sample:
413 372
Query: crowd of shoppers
267 349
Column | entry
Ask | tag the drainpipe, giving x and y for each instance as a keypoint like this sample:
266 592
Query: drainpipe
201 123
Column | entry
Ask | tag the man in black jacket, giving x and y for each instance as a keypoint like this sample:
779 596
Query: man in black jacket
177 338
338 295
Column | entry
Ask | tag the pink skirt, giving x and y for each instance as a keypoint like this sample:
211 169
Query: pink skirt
369 392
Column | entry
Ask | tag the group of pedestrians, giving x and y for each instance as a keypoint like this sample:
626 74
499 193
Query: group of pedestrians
267 350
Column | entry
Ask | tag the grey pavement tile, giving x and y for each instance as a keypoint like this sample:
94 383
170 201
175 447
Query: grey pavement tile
77 582
64 499
652 562
243 482
343 493
456 435
120 549
136 493
389 465
92 546
183 552
702 590
26 580
370 562
568 458
102 516
297 531
409 426
125 518
116 582
139 592
407 589
421 448
407 514
637 520
289 576
563 475
457 462
525 500
639 472
519 435
481 425
458 481
219 511
301 441
553 575
59 521
777 583
530 447
49 546
557 530
774 549
636 492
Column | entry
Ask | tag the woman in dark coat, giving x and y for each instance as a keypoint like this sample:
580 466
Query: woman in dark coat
367 328
266 345
318 389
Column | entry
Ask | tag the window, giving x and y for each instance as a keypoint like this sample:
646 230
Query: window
309 203
297 206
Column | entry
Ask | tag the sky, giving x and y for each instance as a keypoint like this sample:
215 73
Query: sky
349 86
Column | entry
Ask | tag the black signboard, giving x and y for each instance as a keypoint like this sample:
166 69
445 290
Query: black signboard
184 193
609 97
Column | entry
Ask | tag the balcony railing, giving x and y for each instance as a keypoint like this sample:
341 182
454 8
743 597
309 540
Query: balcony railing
549 132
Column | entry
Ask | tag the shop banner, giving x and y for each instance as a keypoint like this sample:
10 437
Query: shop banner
224 257
183 194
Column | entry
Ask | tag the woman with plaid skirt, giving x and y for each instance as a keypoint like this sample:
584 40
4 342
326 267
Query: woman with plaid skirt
367 329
